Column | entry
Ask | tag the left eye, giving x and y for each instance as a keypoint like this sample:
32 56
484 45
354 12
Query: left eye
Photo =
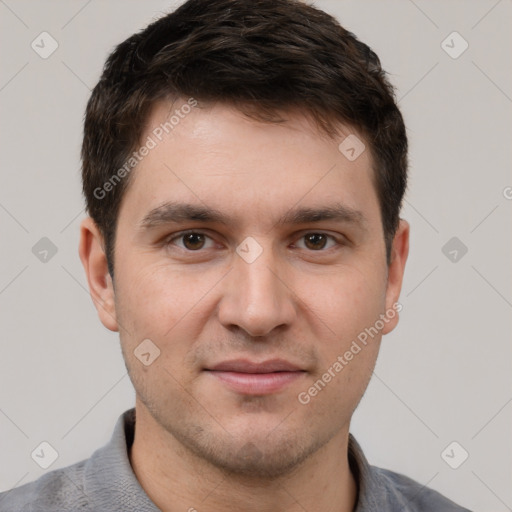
317 241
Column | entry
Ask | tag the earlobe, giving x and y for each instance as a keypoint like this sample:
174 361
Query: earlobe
399 253
94 260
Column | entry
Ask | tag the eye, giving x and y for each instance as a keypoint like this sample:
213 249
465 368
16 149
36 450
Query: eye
318 241
192 240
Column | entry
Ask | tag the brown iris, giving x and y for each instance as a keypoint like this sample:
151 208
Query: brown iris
315 241
193 241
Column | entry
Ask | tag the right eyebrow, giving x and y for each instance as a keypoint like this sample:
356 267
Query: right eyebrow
170 212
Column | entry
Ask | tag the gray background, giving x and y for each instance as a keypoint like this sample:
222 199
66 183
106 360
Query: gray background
444 375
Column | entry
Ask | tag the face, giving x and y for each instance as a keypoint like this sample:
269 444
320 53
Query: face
252 256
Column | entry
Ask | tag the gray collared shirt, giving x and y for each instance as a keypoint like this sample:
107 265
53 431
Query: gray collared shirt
105 482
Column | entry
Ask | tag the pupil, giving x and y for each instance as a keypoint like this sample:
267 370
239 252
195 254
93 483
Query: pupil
314 238
194 240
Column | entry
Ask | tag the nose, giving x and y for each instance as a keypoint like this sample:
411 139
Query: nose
258 296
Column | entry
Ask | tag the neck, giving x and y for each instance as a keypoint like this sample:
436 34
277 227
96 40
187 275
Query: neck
177 480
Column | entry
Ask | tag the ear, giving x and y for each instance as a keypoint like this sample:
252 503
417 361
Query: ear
399 253
94 260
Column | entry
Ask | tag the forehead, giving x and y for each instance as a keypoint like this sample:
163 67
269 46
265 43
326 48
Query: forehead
218 157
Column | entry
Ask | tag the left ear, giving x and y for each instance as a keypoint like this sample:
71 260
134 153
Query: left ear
399 253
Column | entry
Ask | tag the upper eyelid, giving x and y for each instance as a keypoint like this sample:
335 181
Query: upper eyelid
179 234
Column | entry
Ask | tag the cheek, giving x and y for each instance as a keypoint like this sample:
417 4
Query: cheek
333 394
163 305
345 307
160 307
345 302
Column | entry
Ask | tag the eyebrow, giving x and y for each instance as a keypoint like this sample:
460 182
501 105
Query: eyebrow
176 212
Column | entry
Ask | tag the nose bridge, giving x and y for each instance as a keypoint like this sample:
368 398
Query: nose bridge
257 300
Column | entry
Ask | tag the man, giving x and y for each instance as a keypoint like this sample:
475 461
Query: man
244 164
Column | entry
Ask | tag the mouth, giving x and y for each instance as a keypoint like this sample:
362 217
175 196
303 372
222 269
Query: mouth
253 378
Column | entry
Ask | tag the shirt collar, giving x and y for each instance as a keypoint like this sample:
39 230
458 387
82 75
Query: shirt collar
108 472
368 481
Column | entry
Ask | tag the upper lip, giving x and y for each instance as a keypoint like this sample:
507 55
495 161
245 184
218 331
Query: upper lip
247 366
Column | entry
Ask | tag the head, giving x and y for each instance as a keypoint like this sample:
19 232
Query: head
263 129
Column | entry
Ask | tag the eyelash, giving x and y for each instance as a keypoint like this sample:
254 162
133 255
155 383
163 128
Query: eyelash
181 234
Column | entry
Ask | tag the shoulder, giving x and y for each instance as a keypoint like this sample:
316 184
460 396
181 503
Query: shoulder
60 489
412 495
384 490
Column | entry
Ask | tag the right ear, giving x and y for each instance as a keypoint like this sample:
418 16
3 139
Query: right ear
94 260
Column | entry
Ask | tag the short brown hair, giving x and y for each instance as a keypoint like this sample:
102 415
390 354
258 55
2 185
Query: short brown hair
262 56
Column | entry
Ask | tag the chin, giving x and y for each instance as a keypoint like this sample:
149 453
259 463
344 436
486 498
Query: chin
257 455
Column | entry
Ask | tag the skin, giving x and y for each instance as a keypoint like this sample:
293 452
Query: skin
199 444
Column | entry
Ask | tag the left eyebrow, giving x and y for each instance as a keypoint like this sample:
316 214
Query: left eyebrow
337 212
175 212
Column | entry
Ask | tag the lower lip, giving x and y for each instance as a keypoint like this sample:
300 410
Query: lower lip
257 383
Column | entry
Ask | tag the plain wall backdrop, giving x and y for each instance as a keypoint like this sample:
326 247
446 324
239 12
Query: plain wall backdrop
443 376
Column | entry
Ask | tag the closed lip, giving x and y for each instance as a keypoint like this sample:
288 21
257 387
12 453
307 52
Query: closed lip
248 366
